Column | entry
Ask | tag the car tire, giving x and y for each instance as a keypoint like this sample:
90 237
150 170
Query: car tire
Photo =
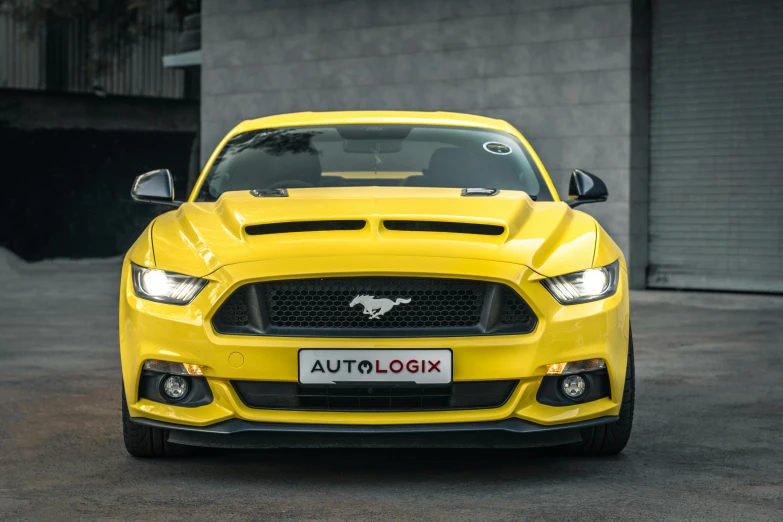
610 439
147 442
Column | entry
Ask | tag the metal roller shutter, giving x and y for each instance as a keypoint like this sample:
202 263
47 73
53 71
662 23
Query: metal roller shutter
716 145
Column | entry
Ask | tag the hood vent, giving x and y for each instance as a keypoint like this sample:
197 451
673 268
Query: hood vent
305 226
444 226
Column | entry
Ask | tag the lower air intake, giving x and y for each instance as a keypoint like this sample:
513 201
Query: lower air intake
467 395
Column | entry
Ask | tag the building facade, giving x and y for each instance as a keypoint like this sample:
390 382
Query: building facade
76 130
675 104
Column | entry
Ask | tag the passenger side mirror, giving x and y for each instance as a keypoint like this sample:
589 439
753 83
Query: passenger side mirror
155 186
585 188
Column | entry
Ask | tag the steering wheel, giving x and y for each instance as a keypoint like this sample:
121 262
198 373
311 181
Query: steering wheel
290 183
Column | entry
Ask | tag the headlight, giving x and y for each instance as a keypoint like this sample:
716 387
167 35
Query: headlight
582 287
165 287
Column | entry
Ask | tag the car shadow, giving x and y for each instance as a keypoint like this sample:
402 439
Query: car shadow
356 466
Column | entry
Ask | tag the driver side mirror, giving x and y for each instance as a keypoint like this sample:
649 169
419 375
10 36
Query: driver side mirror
585 188
155 186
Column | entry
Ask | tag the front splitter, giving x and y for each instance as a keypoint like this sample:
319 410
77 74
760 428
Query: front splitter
507 433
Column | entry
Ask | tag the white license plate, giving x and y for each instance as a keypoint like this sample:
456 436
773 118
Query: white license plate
350 366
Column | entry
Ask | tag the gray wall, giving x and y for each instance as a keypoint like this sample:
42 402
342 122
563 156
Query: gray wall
570 74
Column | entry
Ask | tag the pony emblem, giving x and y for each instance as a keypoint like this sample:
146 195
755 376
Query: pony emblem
376 307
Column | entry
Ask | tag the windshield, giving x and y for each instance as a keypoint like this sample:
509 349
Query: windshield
373 155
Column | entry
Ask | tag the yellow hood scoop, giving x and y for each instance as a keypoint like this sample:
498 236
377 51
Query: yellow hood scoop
399 225
509 227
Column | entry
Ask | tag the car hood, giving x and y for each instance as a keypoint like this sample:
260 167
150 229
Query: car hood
548 237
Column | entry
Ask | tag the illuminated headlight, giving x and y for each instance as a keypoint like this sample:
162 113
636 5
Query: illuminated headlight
165 287
581 287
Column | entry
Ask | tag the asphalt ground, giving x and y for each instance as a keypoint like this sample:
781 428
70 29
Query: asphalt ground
707 441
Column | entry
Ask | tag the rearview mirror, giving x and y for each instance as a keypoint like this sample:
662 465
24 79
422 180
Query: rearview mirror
155 186
585 188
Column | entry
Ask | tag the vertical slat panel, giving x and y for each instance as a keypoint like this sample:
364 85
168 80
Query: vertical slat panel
20 57
23 60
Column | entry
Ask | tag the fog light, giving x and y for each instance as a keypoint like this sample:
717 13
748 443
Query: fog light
175 387
573 386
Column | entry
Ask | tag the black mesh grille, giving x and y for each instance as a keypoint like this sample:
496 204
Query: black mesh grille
374 307
466 395
513 309
325 303
234 310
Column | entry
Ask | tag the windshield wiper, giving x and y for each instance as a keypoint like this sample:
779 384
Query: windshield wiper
270 193
479 192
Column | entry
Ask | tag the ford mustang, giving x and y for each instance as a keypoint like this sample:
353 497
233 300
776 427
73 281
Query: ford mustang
375 279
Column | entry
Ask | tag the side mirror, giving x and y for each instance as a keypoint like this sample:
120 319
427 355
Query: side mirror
155 186
585 188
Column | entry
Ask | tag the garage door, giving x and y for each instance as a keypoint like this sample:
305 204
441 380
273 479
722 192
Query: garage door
716 145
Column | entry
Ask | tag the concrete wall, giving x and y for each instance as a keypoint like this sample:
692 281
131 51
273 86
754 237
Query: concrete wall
570 74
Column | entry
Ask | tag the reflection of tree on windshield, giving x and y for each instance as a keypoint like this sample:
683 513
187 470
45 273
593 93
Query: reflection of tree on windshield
276 142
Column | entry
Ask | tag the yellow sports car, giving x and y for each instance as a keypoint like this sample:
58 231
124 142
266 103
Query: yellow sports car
375 279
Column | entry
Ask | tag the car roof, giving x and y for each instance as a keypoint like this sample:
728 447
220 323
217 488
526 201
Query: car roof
298 119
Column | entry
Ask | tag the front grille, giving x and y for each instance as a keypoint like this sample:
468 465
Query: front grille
468 395
374 307
419 304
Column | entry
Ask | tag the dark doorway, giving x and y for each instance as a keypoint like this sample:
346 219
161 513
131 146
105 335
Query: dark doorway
66 193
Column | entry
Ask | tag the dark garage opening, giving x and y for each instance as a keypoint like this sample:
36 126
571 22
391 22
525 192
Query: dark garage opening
67 192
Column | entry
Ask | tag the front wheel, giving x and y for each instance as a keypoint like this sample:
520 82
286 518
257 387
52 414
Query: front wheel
610 439
146 442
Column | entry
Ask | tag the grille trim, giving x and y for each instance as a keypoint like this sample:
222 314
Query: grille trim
320 307
375 397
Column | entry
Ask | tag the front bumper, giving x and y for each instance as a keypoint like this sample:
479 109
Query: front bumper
150 330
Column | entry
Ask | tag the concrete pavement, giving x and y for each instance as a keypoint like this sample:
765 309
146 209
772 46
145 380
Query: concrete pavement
707 441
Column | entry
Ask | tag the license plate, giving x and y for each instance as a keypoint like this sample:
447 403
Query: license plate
359 366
